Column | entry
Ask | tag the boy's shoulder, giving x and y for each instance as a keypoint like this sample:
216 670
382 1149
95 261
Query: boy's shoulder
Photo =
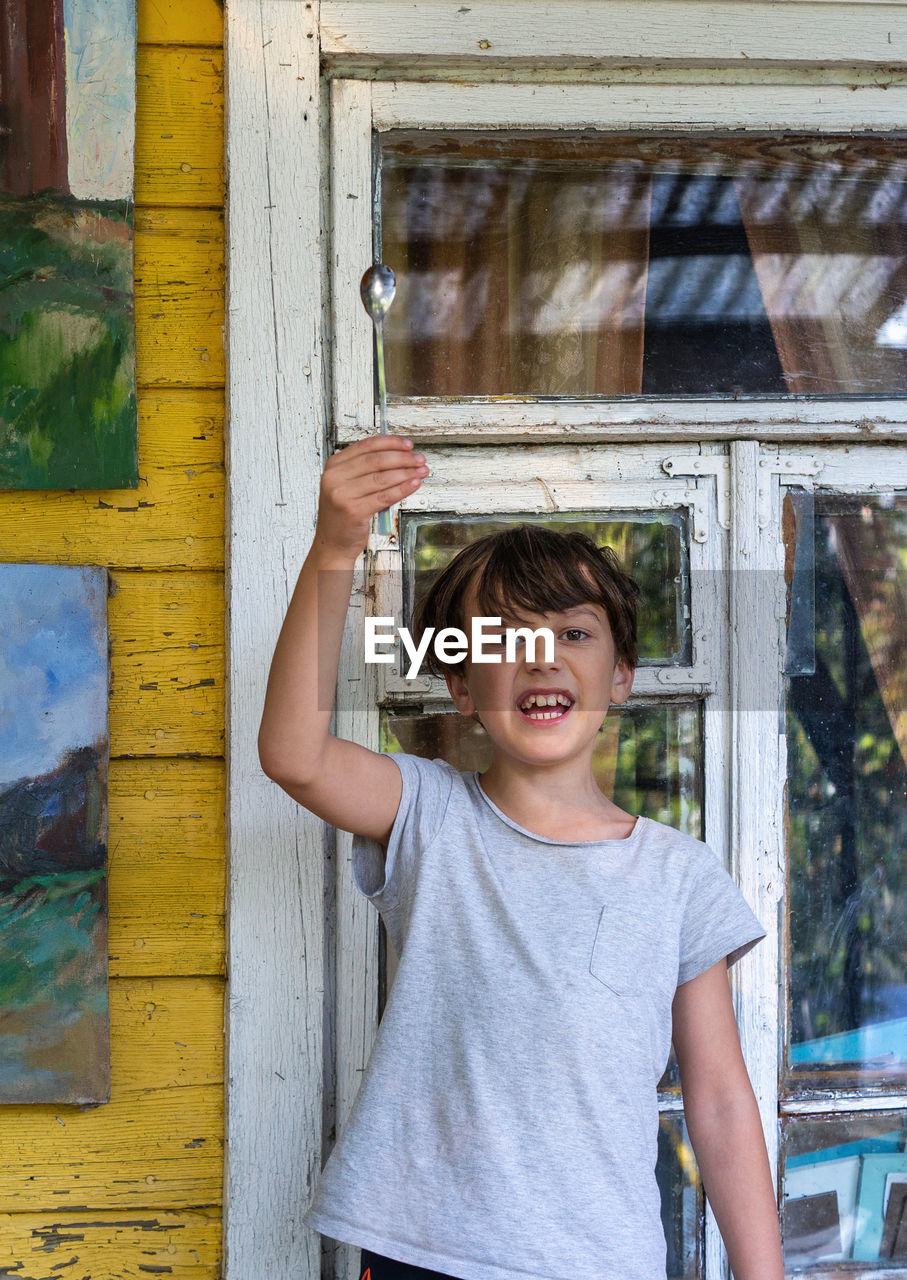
424 767
681 845
427 782
683 839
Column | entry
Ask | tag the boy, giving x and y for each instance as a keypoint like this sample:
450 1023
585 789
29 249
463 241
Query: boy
550 944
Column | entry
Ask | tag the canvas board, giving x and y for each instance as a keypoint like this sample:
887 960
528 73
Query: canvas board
54 750
823 1178
870 1215
67 329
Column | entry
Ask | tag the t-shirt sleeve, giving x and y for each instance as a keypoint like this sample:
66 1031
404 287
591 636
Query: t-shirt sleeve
427 786
717 921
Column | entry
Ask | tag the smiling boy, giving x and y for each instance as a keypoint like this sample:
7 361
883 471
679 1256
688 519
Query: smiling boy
551 945
541 716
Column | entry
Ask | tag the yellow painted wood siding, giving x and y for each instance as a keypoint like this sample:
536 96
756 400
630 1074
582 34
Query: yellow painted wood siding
134 1187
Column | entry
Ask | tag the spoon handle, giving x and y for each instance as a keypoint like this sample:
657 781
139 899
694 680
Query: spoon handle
387 518
382 383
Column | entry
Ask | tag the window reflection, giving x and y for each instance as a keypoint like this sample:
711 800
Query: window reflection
682 1210
647 757
651 546
623 266
847 794
845 1192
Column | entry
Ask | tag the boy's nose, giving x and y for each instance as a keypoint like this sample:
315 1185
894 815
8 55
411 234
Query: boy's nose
539 662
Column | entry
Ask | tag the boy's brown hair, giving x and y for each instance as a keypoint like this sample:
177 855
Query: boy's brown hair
531 569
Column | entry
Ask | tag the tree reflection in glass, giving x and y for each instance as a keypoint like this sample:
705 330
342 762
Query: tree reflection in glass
652 546
847 799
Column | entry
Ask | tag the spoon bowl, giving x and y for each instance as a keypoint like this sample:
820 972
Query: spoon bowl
377 290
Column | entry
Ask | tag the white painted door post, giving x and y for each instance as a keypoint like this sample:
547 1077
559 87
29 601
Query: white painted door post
276 425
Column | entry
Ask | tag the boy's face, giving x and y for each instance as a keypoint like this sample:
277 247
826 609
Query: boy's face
538 712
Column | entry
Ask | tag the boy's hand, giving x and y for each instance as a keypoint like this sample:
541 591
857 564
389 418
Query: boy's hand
359 481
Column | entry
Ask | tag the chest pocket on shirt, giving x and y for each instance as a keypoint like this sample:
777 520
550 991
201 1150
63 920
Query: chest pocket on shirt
618 957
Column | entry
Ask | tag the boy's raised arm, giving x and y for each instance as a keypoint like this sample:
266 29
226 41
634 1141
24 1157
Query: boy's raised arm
344 783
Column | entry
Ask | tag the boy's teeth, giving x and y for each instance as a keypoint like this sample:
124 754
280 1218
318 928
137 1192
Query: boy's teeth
545 700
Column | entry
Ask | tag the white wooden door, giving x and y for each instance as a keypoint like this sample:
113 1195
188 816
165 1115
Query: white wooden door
311 86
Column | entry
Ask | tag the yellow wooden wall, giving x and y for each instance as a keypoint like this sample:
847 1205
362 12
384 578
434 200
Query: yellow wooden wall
133 1188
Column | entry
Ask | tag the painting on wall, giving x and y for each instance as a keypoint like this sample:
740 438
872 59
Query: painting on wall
54 749
67 331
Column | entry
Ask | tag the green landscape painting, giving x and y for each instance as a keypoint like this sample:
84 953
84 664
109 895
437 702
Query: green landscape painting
54 749
67 330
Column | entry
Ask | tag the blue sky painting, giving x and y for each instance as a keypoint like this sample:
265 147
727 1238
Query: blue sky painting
54 748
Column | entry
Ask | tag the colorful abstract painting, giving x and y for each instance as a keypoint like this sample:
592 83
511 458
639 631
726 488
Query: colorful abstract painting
54 1019
67 331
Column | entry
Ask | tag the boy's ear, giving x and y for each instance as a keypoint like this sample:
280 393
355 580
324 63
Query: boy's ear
459 692
622 683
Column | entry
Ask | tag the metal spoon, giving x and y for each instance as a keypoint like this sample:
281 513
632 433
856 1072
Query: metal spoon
377 289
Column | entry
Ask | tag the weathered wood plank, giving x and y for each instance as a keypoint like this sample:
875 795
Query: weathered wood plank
174 519
758 767
167 664
277 202
146 1148
813 108
356 1000
166 1033
179 297
183 1244
167 867
351 227
583 31
179 126
158 1140
179 22
158 1143
493 421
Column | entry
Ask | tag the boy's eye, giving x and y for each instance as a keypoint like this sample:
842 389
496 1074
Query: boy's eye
574 633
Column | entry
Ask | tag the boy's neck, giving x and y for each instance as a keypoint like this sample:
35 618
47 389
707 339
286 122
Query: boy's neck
558 802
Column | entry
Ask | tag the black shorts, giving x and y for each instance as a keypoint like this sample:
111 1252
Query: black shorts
373 1267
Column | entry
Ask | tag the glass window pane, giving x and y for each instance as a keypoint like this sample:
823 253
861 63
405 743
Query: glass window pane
682 1209
651 546
847 789
845 1188
648 758
579 265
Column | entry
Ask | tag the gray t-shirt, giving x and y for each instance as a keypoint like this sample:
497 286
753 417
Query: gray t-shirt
506 1125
